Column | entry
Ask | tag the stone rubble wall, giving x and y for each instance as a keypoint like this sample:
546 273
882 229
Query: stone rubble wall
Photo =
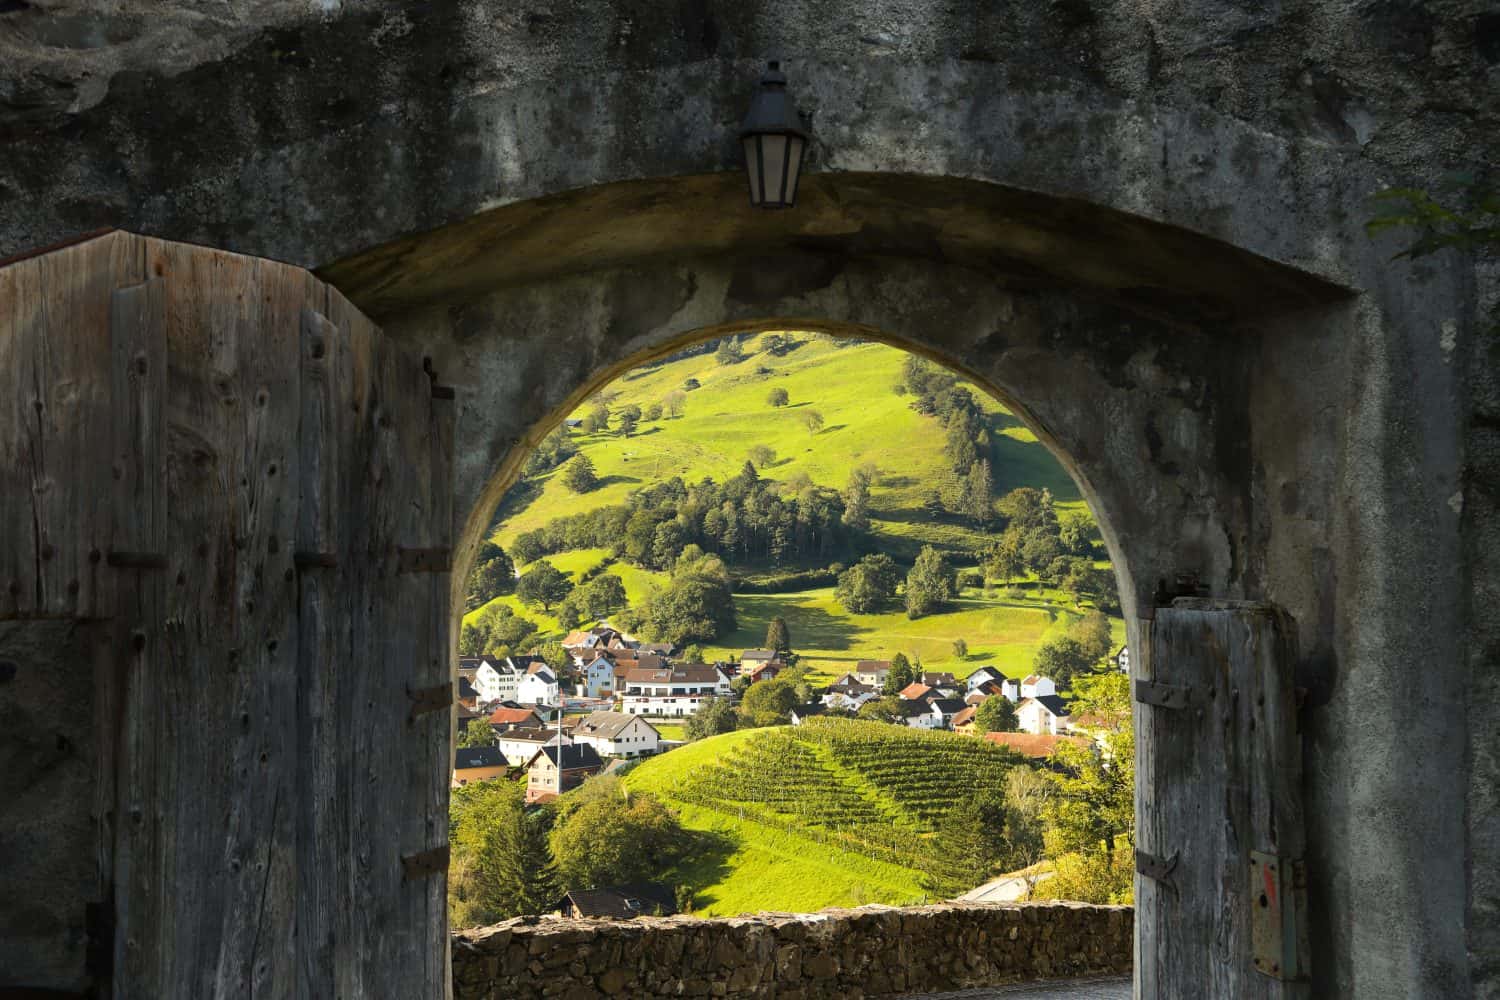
867 952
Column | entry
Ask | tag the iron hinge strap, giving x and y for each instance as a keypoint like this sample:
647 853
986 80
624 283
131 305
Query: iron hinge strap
430 699
1156 868
424 863
136 560
1163 695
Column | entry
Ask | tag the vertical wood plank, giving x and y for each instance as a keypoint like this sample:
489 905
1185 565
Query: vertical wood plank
21 337
322 922
1215 781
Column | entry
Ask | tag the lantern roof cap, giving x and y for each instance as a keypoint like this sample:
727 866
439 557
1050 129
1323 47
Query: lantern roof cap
772 110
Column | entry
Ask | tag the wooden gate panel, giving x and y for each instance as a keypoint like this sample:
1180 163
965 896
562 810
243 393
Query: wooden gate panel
224 459
1218 779
55 427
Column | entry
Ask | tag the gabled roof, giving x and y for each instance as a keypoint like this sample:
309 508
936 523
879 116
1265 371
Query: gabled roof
866 666
933 679
965 717
948 706
1050 702
465 758
1033 678
537 735
915 690
608 725
760 655
542 672
803 711
684 673
578 637
1033 745
514 716
977 697
624 902
910 708
466 689
845 679
990 673
575 756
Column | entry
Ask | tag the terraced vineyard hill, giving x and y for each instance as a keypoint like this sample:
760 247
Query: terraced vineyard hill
833 812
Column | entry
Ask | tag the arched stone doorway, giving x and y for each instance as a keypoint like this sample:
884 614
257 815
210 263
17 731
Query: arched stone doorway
1342 482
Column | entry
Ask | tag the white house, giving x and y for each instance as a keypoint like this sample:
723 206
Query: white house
921 715
495 680
849 695
1010 689
538 686
944 709
618 734
872 672
673 691
1122 659
1036 686
982 675
801 713
520 745
1042 714
596 677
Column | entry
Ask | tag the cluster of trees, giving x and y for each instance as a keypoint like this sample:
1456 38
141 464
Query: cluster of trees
966 436
496 631
1060 551
995 829
745 518
494 574
696 604
555 449
510 860
1077 652
870 584
599 598
1090 815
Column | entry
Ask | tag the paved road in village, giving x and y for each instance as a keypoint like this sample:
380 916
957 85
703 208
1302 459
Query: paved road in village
1098 989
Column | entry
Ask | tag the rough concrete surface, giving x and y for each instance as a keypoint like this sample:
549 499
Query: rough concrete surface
1138 221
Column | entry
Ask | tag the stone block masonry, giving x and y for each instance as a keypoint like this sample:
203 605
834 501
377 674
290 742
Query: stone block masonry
848 954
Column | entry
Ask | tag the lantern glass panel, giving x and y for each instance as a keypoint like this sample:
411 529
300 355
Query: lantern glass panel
773 168
752 167
794 168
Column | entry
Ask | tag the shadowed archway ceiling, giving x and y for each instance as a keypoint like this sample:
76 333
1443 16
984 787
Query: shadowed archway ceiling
1025 239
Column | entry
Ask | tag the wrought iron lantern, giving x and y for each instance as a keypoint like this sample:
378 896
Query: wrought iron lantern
774 141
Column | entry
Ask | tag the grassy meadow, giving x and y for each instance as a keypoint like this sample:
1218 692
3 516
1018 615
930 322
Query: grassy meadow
865 421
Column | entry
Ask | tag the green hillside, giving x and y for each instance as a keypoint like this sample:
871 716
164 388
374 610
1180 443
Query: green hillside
832 813
865 421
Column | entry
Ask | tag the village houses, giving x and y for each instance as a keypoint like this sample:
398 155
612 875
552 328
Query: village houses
538 685
597 677
520 745
617 734
493 678
477 764
673 691
575 763
872 672
1045 713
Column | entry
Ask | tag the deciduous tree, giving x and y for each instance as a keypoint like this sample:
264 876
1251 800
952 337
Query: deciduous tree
494 574
477 734
868 585
502 866
544 585
616 839
930 583
995 714
778 397
714 716
579 475
778 636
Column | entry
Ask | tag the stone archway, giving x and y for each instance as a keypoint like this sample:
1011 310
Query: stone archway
448 167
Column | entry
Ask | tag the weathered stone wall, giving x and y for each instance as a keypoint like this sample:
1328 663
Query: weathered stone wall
869 952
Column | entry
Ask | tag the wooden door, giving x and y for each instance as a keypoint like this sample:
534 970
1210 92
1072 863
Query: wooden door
241 491
1220 887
